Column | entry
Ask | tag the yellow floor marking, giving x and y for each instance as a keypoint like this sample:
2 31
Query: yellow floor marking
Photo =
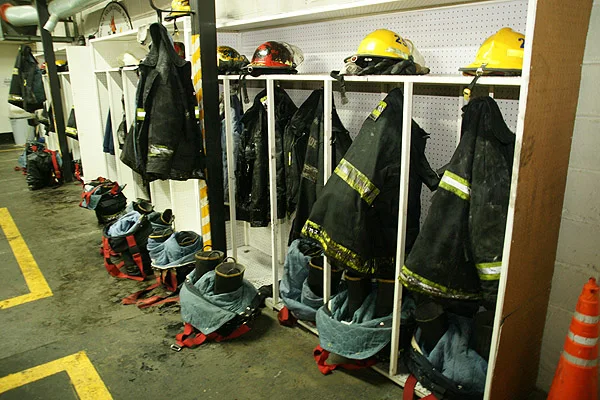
38 287
7 150
83 375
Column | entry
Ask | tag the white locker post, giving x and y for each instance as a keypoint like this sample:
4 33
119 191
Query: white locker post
461 104
327 153
230 166
114 92
402 217
273 185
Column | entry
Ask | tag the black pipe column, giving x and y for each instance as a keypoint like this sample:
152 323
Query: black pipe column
204 24
57 105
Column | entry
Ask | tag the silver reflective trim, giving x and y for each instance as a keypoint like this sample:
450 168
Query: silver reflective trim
453 182
582 339
586 319
579 361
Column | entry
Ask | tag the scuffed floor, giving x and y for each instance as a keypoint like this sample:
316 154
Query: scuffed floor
128 347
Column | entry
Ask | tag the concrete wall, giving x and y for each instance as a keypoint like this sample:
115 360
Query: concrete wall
8 54
578 253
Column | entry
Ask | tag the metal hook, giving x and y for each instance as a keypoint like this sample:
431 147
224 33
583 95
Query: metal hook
468 89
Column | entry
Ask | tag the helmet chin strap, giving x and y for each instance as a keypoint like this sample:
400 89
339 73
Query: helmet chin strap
468 89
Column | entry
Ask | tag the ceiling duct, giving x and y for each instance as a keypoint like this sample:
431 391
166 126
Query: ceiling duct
59 9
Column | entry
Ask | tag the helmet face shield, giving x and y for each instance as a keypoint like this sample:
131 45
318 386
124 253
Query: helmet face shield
297 54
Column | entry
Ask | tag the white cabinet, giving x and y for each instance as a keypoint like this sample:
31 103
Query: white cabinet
103 85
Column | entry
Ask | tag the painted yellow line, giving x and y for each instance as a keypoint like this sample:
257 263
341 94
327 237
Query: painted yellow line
8 150
38 287
83 375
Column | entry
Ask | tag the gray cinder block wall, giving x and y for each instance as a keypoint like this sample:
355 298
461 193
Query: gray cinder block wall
578 253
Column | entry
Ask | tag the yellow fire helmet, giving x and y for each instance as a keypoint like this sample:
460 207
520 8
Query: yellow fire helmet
179 8
382 43
501 54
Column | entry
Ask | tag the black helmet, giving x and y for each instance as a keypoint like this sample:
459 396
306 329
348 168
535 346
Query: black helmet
229 61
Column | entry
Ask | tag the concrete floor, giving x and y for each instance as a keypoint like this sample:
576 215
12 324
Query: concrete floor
128 347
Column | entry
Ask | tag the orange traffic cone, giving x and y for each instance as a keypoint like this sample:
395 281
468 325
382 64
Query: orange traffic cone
576 375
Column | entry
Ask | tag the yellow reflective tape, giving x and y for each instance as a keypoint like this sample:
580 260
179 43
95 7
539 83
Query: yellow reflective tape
196 56
334 249
357 180
489 271
15 71
71 130
140 114
457 178
205 222
197 76
420 284
455 184
204 212
38 287
85 379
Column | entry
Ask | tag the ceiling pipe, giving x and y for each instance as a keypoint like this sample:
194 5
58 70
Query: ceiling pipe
19 15
58 9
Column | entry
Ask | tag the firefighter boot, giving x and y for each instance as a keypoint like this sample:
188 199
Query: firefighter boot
229 276
433 322
315 276
207 260
358 290
384 304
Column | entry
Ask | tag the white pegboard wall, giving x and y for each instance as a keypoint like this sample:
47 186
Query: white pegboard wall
448 37
239 234
230 39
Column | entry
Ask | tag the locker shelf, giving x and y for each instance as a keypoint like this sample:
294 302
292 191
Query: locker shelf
441 79
118 37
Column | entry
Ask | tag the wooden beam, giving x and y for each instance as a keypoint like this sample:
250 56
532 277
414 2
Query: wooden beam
559 35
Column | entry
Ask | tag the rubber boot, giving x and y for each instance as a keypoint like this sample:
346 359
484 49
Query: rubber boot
384 305
358 289
207 260
433 322
160 235
229 276
161 220
315 276
481 338
143 206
